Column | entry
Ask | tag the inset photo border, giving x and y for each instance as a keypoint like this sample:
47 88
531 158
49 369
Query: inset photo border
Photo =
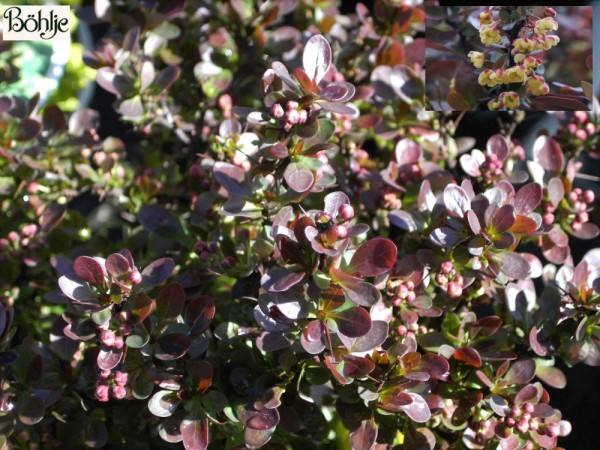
529 58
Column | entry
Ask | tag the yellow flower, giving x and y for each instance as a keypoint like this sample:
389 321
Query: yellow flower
477 58
485 18
530 62
498 76
489 35
544 25
519 57
516 74
510 100
550 41
523 45
484 78
537 85
493 105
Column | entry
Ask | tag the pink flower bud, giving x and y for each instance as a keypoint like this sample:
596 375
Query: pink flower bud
120 378
101 392
276 111
581 135
581 117
13 236
454 289
125 329
205 256
510 422
410 285
135 277
410 297
446 267
522 426
225 102
107 337
213 247
583 217
199 247
577 226
105 373
572 128
548 219
515 411
589 196
29 230
346 211
553 429
303 116
118 392
528 408
118 343
292 105
342 231
293 116
32 187
549 12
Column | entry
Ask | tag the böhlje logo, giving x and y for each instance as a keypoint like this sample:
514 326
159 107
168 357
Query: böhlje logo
35 23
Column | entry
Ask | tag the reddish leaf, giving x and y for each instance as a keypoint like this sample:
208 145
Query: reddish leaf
117 265
352 322
468 355
157 272
307 84
588 230
364 436
89 270
357 367
457 102
552 376
560 102
169 303
201 373
313 331
514 265
498 145
548 154
523 225
356 290
527 198
520 372
194 432
280 279
503 219
374 257
109 358
456 200
143 306
338 91
199 314
298 177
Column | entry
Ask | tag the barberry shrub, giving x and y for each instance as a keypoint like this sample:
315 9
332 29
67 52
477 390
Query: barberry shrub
292 252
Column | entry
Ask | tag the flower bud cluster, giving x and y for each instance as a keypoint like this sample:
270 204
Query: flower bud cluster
580 202
288 114
210 250
401 291
111 385
520 419
492 167
449 280
580 132
331 229
533 37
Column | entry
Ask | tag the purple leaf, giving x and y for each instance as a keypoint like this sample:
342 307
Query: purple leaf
514 265
109 358
117 265
163 403
257 438
75 289
316 58
199 314
89 270
403 220
278 150
547 153
446 237
417 410
527 198
474 223
30 409
530 393
194 432
468 355
346 109
172 346
373 339
352 322
271 342
355 289
105 78
556 191
280 279
374 257
282 72
363 437
338 91
552 376
143 306
524 225
520 372
166 77
456 200
157 272
497 145
357 366
169 303
232 178
298 177
470 165
408 152
334 201
588 230
503 219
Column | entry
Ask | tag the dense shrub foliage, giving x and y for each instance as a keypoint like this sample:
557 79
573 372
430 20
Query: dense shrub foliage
292 252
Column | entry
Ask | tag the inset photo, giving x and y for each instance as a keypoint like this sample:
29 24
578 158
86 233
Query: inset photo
498 58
